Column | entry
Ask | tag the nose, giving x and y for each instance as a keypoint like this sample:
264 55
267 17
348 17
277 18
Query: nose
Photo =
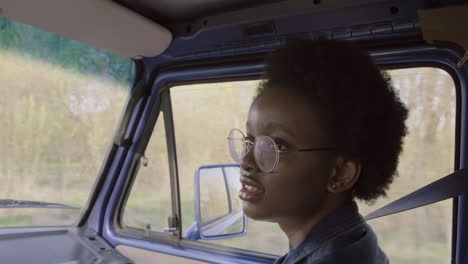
248 162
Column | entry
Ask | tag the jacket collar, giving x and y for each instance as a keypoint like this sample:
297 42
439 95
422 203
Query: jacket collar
329 227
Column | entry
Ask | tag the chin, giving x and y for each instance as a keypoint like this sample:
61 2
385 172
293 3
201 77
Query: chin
256 212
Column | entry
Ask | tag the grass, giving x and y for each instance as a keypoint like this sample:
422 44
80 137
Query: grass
15 220
57 125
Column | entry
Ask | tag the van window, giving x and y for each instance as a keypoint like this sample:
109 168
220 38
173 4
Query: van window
422 235
149 204
203 116
60 104
204 113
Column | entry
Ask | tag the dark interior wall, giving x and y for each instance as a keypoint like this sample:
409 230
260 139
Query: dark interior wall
169 11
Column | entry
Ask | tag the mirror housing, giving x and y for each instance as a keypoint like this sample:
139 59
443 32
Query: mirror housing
218 209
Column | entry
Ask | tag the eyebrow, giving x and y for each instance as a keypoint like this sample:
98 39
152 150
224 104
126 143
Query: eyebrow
272 125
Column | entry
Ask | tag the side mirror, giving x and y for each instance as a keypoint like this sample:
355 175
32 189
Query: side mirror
218 209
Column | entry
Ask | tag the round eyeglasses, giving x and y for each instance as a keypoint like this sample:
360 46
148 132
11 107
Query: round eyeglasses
265 150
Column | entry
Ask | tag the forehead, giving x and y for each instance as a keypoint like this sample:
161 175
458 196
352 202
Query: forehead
278 109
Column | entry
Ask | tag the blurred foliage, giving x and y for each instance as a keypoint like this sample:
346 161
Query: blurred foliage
64 53
57 120
421 235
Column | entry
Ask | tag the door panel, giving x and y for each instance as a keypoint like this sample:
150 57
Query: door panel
143 256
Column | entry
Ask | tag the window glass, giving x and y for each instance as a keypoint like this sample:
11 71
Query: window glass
205 113
149 203
217 193
421 235
61 103
203 116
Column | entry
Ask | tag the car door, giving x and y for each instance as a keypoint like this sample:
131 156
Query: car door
182 103
202 87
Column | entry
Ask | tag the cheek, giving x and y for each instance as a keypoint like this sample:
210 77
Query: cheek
302 168
304 178
298 188
301 182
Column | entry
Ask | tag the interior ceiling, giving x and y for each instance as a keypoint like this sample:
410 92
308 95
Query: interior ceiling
170 11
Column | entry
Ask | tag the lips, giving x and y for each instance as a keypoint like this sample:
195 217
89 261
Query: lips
251 191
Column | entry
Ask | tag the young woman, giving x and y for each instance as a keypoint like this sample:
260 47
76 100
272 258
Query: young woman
325 129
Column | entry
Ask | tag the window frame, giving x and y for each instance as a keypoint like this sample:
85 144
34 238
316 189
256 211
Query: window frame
456 158
243 69
163 104
252 67
112 154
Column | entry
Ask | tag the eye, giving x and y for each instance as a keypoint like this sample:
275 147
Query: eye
249 139
282 146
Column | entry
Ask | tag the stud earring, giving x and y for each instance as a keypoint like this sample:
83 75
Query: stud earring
333 186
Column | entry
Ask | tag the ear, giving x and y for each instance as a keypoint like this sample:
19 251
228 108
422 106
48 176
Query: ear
344 175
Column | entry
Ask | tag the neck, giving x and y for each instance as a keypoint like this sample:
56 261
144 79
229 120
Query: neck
296 228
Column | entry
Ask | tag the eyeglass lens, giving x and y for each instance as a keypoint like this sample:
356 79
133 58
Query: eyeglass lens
265 150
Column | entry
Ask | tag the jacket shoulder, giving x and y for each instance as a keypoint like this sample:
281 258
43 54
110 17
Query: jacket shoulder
359 245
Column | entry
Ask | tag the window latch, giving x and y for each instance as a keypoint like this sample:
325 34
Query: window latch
144 161
173 223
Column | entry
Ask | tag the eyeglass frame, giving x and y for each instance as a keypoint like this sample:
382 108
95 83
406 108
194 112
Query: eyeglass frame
277 150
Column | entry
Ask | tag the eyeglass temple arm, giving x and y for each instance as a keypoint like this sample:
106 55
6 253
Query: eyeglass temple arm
316 149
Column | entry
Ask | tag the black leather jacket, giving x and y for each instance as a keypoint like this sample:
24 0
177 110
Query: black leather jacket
341 237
